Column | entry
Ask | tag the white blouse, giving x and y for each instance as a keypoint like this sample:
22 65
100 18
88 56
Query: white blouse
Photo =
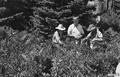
98 36
56 38
74 31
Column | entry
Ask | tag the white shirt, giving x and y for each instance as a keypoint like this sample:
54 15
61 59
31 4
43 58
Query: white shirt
74 31
56 38
98 37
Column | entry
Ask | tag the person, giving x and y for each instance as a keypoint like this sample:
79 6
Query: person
94 34
58 34
97 4
75 30
117 71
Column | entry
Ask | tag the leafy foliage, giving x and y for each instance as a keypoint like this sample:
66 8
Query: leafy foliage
25 54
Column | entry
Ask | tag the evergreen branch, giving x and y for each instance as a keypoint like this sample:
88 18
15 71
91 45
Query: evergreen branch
79 15
10 17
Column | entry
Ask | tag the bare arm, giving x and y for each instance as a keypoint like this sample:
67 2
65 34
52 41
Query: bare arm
70 30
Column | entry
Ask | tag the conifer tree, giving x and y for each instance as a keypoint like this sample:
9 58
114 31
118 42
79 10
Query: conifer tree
52 12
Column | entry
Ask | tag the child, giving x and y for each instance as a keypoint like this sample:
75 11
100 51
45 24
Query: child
58 34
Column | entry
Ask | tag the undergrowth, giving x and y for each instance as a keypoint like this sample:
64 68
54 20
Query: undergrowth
29 55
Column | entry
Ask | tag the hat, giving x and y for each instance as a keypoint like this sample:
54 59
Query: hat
60 27
74 18
91 27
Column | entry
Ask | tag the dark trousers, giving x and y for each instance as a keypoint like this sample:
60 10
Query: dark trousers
71 38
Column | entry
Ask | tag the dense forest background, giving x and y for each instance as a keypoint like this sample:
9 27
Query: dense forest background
46 14
26 50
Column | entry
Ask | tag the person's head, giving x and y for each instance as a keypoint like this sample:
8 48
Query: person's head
60 27
75 20
98 19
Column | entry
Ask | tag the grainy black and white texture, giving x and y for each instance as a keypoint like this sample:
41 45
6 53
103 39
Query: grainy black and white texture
26 49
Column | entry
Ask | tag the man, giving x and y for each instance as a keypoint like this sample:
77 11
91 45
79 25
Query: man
58 34
75 30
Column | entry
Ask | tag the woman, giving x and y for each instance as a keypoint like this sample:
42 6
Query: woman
94 34
98 6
